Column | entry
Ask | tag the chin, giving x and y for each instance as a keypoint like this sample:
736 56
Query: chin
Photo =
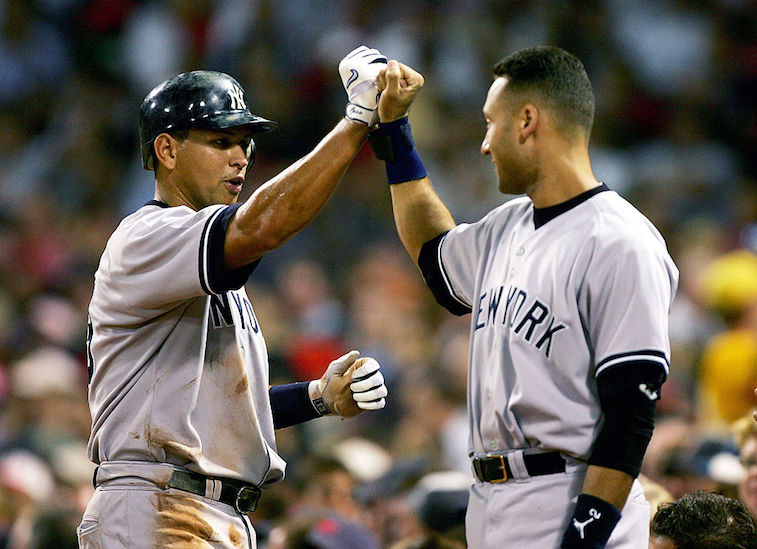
506 188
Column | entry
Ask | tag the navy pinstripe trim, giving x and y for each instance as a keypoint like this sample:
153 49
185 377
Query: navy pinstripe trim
445 277
646 355
437 279
204 252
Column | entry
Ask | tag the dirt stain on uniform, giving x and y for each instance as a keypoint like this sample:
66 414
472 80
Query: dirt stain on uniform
180 523
157 439
235 536
243 384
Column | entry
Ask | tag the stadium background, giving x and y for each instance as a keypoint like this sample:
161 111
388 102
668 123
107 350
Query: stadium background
675 133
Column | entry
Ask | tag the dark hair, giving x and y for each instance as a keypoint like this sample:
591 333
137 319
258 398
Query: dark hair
705 520
556 78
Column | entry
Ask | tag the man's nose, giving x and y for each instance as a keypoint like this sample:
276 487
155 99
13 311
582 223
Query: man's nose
239 158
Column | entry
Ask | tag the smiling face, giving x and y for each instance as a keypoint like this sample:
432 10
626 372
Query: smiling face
504 140
208 166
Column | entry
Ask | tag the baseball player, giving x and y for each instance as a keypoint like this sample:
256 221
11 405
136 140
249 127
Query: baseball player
569 290
183 418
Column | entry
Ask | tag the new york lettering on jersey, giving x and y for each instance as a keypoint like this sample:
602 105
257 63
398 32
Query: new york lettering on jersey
528 317
221 311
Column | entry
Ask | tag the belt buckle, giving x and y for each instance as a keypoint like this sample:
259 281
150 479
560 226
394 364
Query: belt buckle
247 499
504 470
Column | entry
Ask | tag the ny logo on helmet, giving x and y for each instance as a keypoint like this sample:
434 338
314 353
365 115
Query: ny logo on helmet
237 98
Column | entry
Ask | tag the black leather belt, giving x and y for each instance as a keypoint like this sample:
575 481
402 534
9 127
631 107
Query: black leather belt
495 468
243 497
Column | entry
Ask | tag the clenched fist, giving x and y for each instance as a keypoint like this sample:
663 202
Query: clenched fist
397 85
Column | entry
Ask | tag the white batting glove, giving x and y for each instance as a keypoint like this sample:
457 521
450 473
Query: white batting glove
368 388
331 394
358 70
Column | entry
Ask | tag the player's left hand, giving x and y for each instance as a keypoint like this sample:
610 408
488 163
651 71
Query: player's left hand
358 70
351 385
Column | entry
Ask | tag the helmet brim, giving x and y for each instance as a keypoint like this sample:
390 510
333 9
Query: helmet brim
224 120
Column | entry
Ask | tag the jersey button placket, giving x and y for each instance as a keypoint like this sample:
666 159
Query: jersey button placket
518 253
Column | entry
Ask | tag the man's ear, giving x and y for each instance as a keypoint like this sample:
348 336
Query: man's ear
165 150
528 119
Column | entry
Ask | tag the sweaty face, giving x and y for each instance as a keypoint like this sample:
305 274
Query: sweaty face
211 166
502 141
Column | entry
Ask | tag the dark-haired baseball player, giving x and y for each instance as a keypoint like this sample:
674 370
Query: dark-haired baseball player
568 289
182 415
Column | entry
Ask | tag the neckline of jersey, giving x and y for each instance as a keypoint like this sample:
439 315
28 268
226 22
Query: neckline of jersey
157 203
544 215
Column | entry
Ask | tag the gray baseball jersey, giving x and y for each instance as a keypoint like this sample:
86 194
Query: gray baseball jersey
178 364
555 300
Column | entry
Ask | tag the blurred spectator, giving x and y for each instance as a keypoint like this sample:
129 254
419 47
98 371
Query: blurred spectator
325 516
26 485
655 493
440 500
318 318
682 458
675 132
388 507
47 406
729 362
745 433
703 520
321 533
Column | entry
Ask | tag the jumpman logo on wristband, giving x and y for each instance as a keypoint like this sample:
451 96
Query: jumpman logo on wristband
593 515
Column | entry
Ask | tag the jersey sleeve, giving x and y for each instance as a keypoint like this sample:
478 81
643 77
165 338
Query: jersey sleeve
449 263
630 286
170 255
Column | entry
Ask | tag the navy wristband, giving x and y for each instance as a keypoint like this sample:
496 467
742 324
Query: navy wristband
393 142
291 404
591 525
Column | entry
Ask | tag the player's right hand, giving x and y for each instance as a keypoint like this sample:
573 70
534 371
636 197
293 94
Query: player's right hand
358 70
398 85
351 385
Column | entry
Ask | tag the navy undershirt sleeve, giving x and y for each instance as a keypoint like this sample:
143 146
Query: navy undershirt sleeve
219 277
291 404
432 273
628 395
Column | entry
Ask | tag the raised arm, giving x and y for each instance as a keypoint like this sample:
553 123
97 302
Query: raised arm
281 207
287 203
419 213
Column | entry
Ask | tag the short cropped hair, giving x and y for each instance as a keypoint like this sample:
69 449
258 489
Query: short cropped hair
555 78
705 520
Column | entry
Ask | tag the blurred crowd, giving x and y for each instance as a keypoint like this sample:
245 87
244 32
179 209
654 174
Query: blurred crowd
675 133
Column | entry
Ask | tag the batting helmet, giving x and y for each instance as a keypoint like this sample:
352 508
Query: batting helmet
197 99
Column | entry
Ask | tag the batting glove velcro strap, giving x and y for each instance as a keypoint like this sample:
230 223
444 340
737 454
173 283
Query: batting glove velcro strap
591 525
324 392
358 70
368 388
